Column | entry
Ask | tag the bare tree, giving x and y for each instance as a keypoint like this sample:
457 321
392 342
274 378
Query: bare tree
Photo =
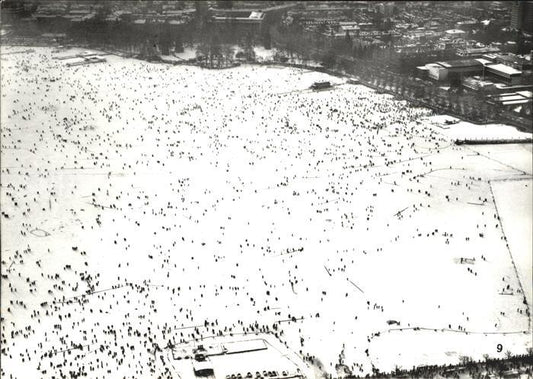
228 54
464 359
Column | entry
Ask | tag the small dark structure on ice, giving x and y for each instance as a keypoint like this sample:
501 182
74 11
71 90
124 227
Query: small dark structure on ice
321 85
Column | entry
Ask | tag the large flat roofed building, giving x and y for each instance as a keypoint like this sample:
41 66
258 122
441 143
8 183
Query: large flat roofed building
455 32
350 27
477 51
450 70
513 98
513 60
243 20
459 68
505 73
462 64
237 16
476 83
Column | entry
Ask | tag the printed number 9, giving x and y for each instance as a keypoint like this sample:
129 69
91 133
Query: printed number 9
499 348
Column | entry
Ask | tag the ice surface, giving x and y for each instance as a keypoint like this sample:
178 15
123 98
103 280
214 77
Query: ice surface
143 203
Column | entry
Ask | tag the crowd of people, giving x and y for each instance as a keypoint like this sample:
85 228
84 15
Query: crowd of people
147 205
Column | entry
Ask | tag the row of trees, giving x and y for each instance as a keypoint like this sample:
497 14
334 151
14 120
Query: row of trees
131 38
149 38
467 105
215 52
373 66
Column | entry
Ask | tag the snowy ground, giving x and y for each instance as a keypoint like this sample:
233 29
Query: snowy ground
143 203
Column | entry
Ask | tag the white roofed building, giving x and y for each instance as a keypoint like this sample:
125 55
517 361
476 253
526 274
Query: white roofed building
504 73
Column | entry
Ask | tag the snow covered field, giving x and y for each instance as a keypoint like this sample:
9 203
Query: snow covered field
145 203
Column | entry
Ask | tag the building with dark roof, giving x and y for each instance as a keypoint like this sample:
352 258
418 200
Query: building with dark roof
202 368
454 70
522 16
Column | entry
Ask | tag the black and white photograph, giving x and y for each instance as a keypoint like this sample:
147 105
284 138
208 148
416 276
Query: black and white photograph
266 189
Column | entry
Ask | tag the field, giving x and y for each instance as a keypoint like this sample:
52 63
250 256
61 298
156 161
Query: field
145 203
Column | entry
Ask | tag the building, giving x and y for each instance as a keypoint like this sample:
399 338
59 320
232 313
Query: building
476 83
459 70
455 32
238 20
238 17
455 70
468 25
516 15
514 61
11 10
386 9
320 85
203 368
522 16
504 73
351 27
513 98
474 52
437 72
520 101
424 71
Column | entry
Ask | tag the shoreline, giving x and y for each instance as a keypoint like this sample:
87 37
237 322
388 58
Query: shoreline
316 68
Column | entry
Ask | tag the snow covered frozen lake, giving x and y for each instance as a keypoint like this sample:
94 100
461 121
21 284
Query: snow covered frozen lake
144 203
